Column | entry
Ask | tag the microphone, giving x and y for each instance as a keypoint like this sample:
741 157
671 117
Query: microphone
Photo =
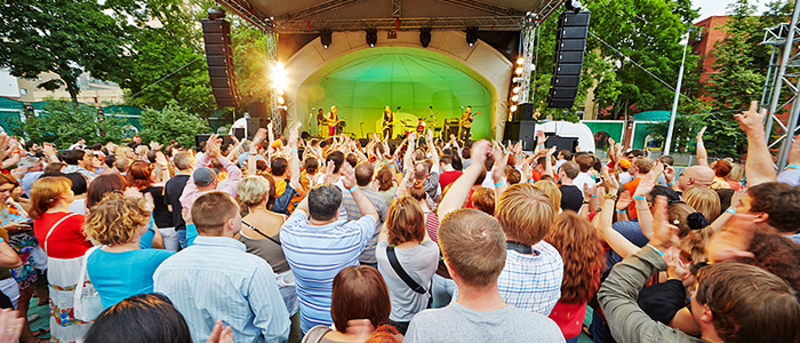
398 108
431 107
462 108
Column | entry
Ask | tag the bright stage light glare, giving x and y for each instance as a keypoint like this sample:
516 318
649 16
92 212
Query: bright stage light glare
278 76
281 100
515 90
515 98
520 61
280 91
518 71
513 108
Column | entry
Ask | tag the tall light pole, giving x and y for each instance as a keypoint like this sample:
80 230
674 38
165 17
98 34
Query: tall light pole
677 97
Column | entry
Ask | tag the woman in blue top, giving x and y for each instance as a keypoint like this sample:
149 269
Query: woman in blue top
121 269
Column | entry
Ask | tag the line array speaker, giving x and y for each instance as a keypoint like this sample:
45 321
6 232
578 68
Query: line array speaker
219 55
570 45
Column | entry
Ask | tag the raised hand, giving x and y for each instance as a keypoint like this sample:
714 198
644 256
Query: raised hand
348 176
479 151
613 186
329 167
751 121
649 181
665 235
161 160
676 268
733 241
700 134
220 335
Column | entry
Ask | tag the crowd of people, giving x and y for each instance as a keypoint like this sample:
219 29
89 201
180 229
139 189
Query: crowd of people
278 239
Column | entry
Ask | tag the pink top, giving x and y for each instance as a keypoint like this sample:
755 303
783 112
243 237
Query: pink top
191 193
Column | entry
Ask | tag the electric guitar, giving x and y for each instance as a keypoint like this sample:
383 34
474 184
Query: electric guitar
467 121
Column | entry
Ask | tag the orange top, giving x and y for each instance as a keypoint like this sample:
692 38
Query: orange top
631 187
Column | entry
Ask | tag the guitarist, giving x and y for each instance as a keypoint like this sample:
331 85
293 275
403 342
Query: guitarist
321 122
332 119
466 123
388 122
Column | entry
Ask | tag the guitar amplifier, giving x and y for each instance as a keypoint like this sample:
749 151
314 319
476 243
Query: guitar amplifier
450 128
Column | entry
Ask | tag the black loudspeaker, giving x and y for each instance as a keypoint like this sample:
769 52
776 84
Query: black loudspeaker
570 45
524 131
253 124
563 143
239 133
219 55
525 111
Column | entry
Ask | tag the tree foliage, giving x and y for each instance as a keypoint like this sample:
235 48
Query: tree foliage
62 123
65 37
168 62
172 122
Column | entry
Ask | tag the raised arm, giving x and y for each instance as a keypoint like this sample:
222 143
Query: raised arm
252 155
294 163
640 200
615 240
161 162
434 154
498 172
702 155
364 205
459 191
758 168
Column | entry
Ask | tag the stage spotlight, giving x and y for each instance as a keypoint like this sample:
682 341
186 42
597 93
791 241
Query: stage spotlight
518 71
515 90
425 36
372 37
520 61
278 76
326 38
281 100
280 91
515 98
513 108
215 13
472 35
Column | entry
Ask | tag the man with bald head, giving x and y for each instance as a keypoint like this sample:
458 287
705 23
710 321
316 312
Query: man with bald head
693 176
364 174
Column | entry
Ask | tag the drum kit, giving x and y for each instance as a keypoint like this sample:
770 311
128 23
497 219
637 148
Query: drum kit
408 126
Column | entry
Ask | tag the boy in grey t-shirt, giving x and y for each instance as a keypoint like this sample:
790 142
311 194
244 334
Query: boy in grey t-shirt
473 245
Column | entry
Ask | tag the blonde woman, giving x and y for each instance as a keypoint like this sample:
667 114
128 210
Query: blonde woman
551 189
261 236
704 200
118 224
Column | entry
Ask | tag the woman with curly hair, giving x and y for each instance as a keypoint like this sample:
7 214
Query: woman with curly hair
579 245
118 224
150 178
385 183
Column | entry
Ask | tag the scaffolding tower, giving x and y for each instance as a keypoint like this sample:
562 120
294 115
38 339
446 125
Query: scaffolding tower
784 68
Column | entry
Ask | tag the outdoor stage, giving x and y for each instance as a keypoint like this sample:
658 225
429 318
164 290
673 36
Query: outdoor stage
430 58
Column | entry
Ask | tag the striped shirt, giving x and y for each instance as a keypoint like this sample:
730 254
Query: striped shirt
531 282
216 279
316 254
353 213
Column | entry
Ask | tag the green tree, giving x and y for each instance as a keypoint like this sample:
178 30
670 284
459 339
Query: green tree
250 62
66 37
168 62
172 122
62 123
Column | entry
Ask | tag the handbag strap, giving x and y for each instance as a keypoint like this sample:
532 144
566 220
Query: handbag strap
53 228
260 233
315 334
81 277
402 273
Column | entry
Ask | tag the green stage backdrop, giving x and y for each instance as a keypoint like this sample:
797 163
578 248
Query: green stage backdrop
413 79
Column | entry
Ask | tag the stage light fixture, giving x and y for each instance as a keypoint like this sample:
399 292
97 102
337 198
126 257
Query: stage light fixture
515 98
280 91
215 13
513 108
278 76
425 36
520 60
281 100
472 35
518 71
515 90
326 38
372 37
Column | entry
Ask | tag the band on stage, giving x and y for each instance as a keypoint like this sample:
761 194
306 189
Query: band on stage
392 127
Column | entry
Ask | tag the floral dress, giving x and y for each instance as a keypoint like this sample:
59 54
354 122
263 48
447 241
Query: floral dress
23 243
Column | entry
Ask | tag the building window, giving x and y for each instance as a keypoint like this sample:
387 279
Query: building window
23 91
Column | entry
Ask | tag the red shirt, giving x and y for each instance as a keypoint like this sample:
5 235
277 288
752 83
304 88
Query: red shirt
448 177
68 239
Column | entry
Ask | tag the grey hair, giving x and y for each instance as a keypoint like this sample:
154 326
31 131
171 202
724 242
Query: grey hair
28 161
324 201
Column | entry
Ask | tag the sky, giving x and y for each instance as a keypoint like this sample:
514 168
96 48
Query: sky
719 7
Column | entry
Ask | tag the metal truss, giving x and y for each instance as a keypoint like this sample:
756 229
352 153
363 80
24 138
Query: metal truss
317 9
246 11
784 68
272 59
396 8
527 52
485 7
444 23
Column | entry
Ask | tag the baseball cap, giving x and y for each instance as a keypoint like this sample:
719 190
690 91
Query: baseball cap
625 163
204 176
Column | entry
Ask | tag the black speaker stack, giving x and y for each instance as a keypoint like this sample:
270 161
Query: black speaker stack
219 55
573 28
523 127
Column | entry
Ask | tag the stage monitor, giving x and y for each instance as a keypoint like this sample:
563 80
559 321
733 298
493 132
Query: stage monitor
562 143
226 139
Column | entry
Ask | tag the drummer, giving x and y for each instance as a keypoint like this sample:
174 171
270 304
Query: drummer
420 126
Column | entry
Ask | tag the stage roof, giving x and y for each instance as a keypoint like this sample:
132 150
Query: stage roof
311 16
